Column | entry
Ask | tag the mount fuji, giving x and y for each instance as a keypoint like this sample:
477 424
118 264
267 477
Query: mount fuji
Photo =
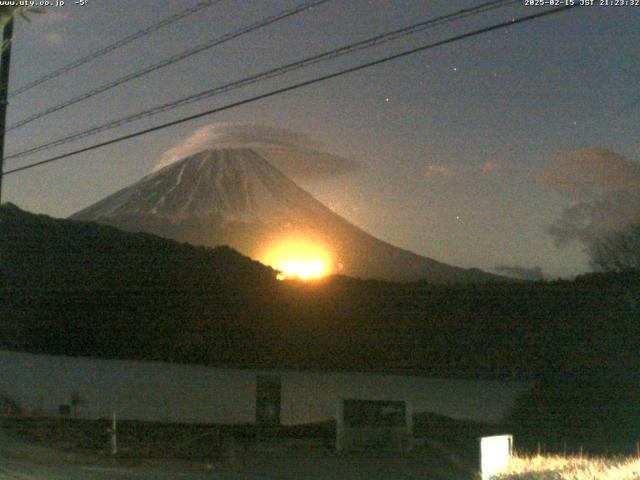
235 197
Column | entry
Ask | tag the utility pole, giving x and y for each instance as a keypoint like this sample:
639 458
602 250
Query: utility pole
5 60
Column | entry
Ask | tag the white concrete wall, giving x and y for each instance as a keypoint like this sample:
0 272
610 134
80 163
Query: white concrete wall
157 391
317 394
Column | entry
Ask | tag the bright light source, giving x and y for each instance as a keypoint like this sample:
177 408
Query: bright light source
298 257
300 269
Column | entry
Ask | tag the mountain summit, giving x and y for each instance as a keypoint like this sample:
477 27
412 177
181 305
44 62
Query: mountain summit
224 186
236 197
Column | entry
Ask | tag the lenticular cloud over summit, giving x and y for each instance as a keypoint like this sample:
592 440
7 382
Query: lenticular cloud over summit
295 154
238 135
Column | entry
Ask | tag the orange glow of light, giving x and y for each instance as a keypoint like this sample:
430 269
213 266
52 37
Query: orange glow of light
300 269
298 258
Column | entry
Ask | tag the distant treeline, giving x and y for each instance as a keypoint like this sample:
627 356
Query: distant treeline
78 288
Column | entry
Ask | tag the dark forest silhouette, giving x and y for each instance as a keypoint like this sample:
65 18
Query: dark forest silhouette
77 288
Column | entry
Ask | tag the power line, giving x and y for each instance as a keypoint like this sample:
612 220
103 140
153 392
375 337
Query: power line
114 46
171 60
272 73
331 54
299 85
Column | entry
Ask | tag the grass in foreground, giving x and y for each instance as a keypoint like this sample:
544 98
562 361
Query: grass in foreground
572 468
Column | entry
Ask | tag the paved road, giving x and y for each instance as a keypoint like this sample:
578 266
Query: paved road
24 470
275 469
21 470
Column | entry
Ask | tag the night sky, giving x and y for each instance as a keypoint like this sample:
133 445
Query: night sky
467 153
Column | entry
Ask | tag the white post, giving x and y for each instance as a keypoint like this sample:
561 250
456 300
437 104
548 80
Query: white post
113 434
408 411
340 425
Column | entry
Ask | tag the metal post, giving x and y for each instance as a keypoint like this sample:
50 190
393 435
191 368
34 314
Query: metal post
113 434
5 60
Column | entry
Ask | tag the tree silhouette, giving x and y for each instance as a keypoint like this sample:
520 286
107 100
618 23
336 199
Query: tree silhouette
8 13
617 251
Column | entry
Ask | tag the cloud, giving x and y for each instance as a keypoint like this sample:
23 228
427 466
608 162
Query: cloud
49 16
605 189
54 38
489 167
442 171
608 213
524 273
591 172
295 154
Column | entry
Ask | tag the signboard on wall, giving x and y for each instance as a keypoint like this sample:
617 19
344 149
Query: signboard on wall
367 424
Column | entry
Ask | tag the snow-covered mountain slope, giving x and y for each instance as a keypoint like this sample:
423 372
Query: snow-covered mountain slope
230 185
235 197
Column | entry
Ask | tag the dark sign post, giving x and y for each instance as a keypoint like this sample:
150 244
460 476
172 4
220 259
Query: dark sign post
268 388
